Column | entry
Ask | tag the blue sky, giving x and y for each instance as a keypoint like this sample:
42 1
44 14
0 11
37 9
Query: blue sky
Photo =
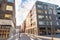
23 7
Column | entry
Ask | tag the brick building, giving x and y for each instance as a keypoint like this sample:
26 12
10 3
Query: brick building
23 26
7 18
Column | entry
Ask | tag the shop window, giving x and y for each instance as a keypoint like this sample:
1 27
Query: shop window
9 8
7 16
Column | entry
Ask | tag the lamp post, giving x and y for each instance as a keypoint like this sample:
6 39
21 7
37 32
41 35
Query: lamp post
51 10
19 32
51 31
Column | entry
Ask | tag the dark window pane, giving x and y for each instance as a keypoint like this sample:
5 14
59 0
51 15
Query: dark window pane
58 13
59 17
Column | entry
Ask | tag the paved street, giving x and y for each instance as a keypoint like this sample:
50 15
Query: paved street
55 37
27 37
24 36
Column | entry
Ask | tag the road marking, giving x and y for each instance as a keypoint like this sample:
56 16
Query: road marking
39 39
31 38
16 39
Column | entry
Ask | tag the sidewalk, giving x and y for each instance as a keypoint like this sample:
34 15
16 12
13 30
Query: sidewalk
44 37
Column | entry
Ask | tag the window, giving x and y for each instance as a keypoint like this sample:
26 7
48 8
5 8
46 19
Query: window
58 30
10 1
50 22
59 17
55 13
46 17
40 16
47 23
45 12
58 13
7 16
33 12
49 17
45 6
40 11
8 7
50 11
33 23
39 6
33 17
41 23
56 18
57 23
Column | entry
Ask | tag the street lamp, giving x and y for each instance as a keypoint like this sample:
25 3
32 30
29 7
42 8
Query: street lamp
51 10
19 32
51 31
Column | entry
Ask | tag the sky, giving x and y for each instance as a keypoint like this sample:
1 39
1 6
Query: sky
24 6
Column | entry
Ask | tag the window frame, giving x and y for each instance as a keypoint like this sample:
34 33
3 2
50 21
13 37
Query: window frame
40 11
57 23
40 6
50 11
42 22
40 16
9 7
8 15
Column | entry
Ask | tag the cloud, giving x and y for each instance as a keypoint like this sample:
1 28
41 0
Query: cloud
22 10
